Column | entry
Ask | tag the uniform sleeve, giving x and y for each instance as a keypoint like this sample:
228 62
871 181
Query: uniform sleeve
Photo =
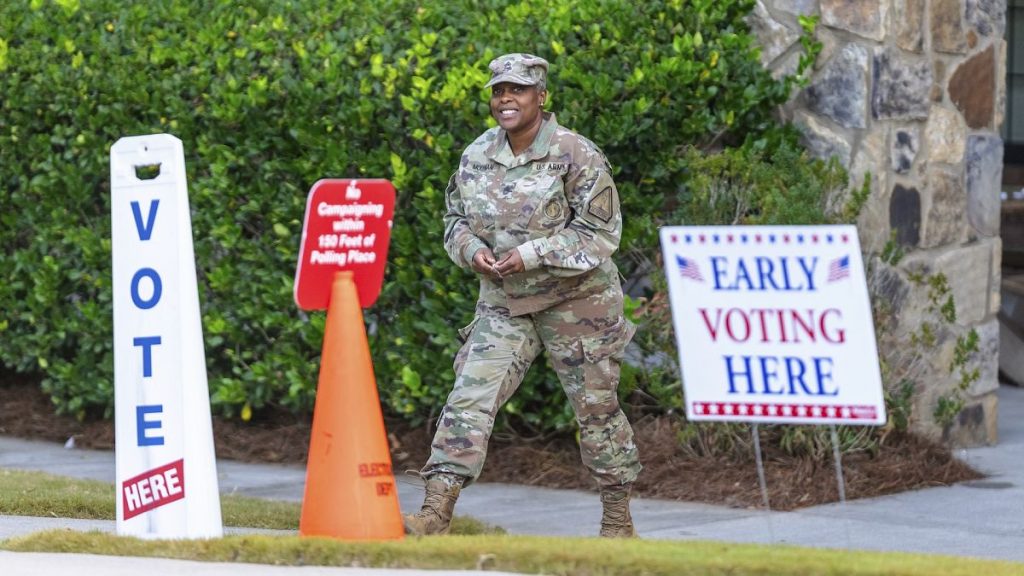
593 232
459 241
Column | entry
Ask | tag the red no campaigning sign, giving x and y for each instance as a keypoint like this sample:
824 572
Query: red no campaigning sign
347 227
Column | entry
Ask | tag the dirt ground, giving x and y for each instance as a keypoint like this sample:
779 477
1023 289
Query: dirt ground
905 462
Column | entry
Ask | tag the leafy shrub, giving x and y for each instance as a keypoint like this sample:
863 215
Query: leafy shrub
270 96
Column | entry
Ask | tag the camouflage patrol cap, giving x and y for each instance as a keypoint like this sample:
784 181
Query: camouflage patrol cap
524 69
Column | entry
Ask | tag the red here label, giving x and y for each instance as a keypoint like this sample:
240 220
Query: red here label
153 489
347 227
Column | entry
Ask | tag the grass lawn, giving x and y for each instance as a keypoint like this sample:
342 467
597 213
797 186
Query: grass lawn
38 494
29 493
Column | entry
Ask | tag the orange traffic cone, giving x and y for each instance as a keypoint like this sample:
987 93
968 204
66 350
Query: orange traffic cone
350 488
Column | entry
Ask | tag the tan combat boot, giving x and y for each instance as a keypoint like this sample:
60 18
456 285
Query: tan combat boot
435 517
616 521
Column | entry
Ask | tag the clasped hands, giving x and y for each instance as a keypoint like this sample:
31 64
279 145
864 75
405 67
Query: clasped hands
484 262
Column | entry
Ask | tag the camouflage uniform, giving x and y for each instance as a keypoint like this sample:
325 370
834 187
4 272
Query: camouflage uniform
557 205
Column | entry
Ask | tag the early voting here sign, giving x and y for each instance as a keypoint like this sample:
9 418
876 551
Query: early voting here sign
166 470
773 324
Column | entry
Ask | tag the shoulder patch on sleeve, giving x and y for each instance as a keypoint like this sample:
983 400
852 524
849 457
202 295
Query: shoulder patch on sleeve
600 206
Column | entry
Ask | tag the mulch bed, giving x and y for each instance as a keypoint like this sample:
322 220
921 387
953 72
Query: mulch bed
905 462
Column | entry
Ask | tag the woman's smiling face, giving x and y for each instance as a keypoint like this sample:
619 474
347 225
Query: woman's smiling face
517 108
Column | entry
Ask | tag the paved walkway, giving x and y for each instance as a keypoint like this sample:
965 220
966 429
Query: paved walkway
983 518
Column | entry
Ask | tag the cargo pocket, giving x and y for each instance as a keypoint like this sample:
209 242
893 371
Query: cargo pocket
609 342
468 329
490 369
602 352
464 333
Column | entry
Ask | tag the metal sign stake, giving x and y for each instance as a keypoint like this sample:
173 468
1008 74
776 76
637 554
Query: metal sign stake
840 481
760 468
837 457
761 479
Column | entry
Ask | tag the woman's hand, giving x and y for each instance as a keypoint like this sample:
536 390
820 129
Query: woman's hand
511 263
483 263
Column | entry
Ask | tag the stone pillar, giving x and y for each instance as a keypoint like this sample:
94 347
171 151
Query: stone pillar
912 92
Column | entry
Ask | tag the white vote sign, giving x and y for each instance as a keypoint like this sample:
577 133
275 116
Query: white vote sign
773 324
166 470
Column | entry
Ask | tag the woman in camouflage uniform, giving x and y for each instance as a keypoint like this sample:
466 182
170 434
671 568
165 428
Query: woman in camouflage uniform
533 211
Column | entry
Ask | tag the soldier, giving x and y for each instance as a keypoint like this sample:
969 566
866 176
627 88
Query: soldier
533 211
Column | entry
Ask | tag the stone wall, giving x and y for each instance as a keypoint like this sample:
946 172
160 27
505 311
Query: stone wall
912 92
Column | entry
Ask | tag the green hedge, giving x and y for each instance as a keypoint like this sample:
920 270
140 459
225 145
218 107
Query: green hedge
272 96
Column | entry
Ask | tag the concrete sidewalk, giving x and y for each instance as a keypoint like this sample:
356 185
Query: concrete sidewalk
984 518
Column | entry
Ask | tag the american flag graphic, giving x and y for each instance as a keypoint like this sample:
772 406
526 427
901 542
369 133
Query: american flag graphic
839 269
688 268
